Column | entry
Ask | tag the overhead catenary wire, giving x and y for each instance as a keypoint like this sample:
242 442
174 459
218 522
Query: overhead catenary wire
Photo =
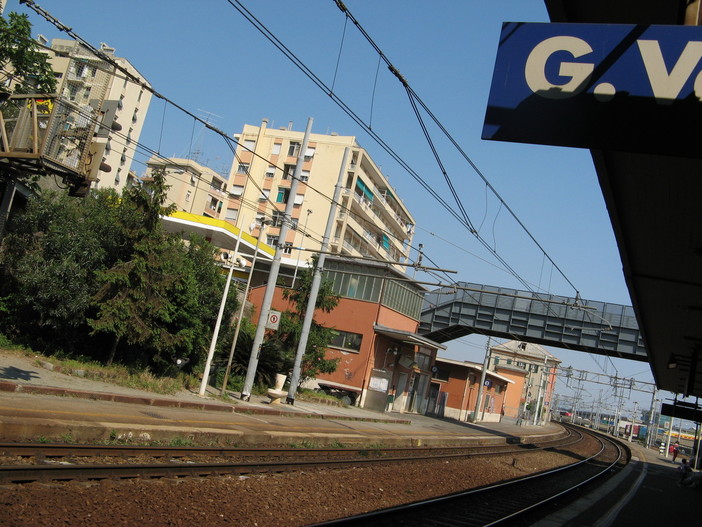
229 141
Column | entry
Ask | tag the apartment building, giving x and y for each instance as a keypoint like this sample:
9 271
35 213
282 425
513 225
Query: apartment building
371 221
533 369
192 187
91 84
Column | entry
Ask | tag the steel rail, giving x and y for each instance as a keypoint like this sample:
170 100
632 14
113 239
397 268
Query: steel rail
46 450
492 504
64 472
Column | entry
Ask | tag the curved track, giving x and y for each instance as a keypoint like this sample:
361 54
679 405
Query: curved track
504 502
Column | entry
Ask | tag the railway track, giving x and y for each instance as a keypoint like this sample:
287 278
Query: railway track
44 462
500 503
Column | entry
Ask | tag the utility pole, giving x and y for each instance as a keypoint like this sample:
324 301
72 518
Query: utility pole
316 283
299 249
242 307
483 373
273 275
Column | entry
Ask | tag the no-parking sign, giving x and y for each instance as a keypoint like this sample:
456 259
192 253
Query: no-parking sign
273 320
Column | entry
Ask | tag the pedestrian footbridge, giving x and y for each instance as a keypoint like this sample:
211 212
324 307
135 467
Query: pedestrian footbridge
550 320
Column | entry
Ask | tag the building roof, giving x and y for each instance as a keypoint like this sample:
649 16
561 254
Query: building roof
407 336
474 366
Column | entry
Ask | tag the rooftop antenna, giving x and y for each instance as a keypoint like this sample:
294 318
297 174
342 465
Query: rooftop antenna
196 147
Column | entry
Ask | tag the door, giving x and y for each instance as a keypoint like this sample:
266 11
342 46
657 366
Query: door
399 393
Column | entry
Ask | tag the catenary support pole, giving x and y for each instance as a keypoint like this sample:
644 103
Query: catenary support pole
242 307
483 373
273 275
316 283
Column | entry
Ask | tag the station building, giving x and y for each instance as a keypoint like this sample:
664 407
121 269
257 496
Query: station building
384 364
454 390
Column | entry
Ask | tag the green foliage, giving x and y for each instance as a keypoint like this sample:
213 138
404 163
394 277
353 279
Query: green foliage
271 361
99 277
21 62
314 361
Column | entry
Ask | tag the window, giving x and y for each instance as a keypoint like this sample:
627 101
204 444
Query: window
441 374
232 214
305 175
294 148
270 171
236 190
299 198
497 361
309 153
260 217
287 248
272 240
283 195
276 149
423 361
213 203
188 195
243 168
345 340
264 195
250 144
288 171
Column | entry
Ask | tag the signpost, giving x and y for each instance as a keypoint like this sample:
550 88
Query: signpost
634 88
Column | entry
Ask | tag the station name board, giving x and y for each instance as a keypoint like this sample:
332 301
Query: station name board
635 88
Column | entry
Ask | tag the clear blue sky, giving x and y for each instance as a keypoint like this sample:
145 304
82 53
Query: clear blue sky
207 58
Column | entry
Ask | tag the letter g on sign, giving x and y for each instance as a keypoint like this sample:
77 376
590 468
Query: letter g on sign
579 73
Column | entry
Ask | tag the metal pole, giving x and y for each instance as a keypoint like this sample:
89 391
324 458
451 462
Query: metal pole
213 343
483 373
241 309
651 431
299 249
273 275
539 402
316 283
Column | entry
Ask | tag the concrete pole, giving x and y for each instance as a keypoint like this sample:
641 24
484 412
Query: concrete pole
273 275
483 373
651 431
242 307
539 401
316 283
299 249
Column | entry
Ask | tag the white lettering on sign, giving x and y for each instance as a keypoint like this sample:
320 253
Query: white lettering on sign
665 86
535 70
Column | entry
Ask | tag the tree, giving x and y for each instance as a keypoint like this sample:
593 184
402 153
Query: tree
135 302
22 65
49 259
77 272
314 360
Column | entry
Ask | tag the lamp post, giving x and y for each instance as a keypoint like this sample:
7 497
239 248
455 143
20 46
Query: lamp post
243 305
215 334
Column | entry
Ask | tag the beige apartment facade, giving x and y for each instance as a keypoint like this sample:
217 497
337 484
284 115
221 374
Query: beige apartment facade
193 188
85 81
371 220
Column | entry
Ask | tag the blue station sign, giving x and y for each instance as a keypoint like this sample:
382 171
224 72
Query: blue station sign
632 88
